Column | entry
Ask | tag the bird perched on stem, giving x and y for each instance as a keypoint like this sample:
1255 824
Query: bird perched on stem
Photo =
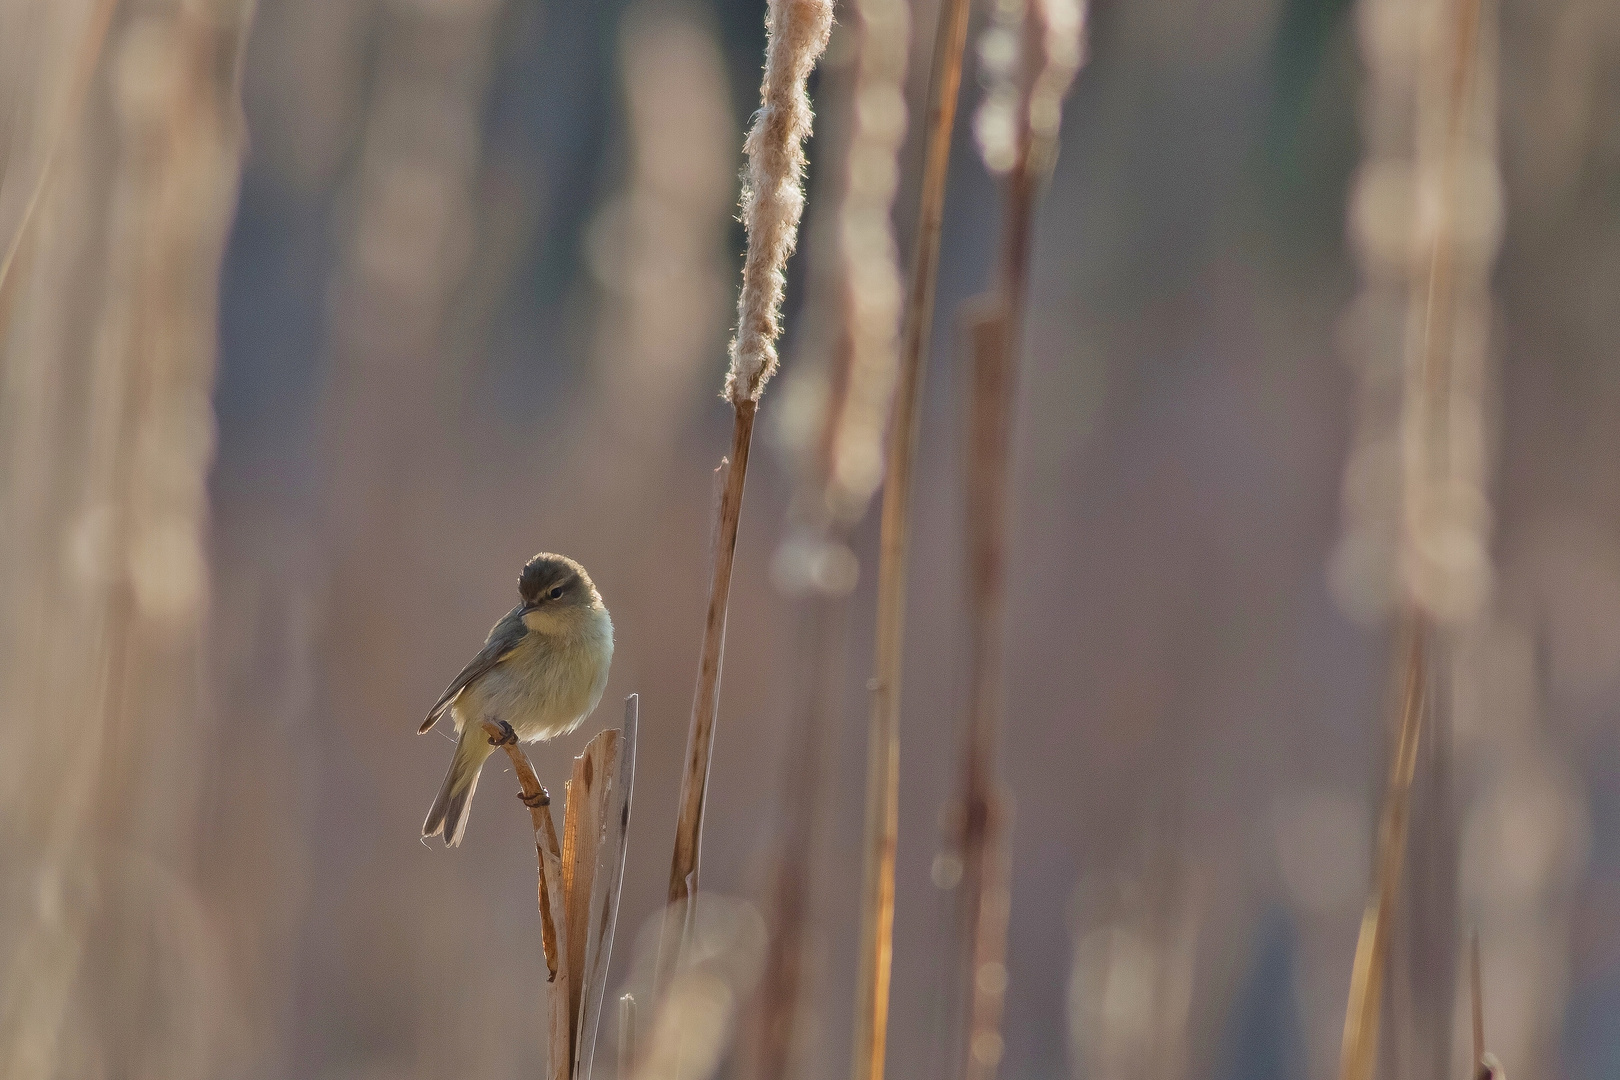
540 673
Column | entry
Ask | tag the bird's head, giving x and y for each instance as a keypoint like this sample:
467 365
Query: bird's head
553 585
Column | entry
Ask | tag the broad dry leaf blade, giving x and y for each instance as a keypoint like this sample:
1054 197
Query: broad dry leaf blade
582 841
560 1047
614 814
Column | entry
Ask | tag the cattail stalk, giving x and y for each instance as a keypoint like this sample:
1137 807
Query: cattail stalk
772 202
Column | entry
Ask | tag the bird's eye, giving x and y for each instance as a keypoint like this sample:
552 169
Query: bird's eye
556 592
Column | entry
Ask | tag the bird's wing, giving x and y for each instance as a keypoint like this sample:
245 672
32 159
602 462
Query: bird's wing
501 641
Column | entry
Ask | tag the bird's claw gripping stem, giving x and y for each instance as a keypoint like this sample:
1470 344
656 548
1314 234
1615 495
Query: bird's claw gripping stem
539 799
508 737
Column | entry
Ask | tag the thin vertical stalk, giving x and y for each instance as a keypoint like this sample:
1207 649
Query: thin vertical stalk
979 817
614 820
881 837
1429 467
683 870
1430 966
538 800
1372 947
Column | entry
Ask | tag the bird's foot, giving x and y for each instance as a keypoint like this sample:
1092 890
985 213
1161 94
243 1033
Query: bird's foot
537 800
508 737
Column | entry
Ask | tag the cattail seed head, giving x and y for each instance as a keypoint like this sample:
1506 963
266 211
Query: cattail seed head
773 197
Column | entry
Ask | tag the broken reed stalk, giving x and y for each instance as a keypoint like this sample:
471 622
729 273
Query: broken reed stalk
980 819
882 823
700 736
85 66
1372 946
553 907
773 200
579 883
560 1040
538 800
607 886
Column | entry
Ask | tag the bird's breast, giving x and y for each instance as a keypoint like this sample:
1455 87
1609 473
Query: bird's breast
547 685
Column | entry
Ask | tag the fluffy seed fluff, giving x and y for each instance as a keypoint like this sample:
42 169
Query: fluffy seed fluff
773 197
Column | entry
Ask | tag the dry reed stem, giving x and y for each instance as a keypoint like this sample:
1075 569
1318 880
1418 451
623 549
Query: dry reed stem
613 813
945 81
586 792
979 817
1428 928
1433 291
560 1043
881 836
683 870
580 882
84 70
1372 947
1428 402
538 800
772 203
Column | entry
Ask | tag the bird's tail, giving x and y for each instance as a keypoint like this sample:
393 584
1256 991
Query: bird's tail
449 813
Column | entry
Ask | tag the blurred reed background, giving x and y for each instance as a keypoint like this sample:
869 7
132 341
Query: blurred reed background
320 316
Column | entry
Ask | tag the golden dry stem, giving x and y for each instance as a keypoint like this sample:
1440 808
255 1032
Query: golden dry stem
683 869
1362 1014
881 834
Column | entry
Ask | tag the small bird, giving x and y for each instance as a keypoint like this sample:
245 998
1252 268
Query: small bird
540 673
